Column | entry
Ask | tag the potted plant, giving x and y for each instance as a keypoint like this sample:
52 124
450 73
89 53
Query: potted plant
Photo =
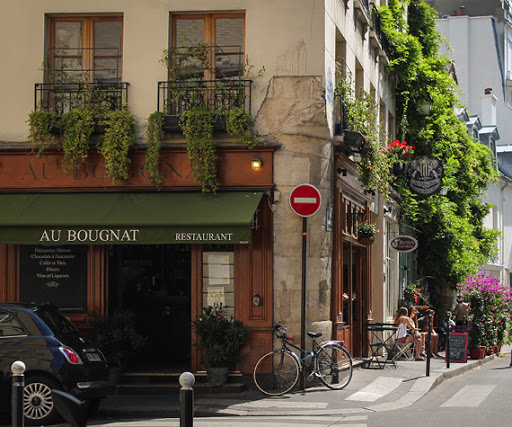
477 331
221 340
366 232
117 338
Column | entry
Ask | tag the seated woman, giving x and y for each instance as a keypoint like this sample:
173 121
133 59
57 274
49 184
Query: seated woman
407 332
434 336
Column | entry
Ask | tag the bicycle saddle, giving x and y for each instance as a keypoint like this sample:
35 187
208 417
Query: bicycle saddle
314 334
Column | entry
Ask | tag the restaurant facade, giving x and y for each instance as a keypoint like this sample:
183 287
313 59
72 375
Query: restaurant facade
91 246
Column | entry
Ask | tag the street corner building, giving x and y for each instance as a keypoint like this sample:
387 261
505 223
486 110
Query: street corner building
197 226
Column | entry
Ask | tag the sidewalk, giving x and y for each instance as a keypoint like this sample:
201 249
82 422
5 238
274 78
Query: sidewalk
371 390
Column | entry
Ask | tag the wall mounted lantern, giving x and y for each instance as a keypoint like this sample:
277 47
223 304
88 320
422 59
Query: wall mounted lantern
256 163
353 140
425 105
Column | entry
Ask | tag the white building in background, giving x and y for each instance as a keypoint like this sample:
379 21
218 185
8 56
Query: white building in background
475 48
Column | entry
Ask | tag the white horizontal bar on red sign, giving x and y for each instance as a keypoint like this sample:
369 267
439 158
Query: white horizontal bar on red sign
305 200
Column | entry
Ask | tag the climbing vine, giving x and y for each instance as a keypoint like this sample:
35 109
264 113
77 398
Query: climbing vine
453 239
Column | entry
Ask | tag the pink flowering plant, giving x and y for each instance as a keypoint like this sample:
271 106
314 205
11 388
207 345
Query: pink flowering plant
490 307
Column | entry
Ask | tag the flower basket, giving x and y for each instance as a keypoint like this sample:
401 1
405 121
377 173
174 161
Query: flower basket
366 232
367 241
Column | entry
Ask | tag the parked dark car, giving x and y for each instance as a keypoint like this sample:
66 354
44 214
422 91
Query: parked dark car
56 356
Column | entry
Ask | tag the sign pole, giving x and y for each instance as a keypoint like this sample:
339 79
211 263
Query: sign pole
305 200
303 298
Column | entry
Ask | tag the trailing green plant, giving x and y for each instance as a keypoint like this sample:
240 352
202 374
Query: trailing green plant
154 135
240 125
40 125
453 240
78 126
119 138
197 126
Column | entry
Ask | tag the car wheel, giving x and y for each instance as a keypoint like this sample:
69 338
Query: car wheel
38 405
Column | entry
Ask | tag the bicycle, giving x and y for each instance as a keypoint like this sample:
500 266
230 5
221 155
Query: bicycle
277 372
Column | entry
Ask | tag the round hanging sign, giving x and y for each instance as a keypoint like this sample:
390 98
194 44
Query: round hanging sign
404 243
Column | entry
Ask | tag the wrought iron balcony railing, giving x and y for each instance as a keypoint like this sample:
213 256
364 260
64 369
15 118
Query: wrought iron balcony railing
175 97
364 5
63 97
376 27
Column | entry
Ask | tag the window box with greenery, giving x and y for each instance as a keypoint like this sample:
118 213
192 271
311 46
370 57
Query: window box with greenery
200 99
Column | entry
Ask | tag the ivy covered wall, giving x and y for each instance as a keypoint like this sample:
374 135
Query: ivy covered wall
453 241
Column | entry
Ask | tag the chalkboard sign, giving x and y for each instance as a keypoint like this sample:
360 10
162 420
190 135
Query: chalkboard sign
458 347
56 274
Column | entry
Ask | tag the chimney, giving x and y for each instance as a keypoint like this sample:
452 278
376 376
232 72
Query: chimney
488 114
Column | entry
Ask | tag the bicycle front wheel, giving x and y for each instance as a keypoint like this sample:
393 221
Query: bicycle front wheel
276 373
333 365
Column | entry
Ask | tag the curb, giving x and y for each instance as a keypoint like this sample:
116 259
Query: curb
425 384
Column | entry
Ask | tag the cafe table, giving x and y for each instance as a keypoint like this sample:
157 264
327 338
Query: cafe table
382 344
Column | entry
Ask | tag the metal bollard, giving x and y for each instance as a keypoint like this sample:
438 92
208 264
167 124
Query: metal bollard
18 383
187 380
447 341
427 345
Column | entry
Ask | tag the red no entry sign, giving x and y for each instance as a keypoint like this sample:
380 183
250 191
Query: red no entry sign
305 200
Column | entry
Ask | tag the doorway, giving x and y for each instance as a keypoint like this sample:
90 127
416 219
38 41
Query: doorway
354 261
154 282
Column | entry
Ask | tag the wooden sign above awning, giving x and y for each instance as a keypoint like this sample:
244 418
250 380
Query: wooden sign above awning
21 170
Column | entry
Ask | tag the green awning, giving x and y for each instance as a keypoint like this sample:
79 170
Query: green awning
127 218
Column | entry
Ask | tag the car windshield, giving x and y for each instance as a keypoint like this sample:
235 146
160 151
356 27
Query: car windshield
58 323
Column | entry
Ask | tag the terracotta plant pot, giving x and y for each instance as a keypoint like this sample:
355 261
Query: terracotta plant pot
477 353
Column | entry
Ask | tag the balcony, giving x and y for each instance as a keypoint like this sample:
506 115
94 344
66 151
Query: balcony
63 97
175 97
362 13
345 140
377 38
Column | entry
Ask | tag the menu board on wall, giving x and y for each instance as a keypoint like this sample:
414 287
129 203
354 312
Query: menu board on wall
218 280
55 274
